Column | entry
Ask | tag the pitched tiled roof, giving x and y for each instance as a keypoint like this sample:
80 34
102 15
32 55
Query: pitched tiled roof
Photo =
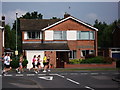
45 46
36 24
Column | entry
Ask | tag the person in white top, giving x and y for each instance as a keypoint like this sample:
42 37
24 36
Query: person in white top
7 65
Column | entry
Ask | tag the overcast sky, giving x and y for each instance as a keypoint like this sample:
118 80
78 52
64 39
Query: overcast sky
85 11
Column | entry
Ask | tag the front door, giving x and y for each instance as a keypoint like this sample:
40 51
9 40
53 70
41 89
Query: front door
61 58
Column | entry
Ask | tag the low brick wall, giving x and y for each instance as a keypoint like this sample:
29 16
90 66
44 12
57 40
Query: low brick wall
113 65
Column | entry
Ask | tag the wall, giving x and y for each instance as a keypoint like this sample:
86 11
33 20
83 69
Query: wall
72 27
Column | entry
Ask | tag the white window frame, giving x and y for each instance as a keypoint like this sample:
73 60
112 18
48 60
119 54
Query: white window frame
38 35
79 34
86 52
62 35
72 53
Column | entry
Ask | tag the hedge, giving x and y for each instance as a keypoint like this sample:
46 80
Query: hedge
97 60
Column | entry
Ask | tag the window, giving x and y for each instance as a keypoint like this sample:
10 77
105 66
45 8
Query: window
85 35
72 54
34 35
86 52
59 35
91 35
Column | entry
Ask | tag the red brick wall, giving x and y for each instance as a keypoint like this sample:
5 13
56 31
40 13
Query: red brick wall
74 45
52 55
70 25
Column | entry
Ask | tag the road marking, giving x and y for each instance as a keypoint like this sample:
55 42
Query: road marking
73 73
63 73
9 75
94 73
89 88
41 74
73 81
60 76
19 75
0 75
83 73
104 73
47 77
53 74
30 74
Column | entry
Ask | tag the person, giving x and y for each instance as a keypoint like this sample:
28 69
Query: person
34 63
39 64
20 68
7 63
2 61
46 63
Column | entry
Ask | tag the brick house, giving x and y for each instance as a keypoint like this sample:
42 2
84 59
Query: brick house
2 24
61 39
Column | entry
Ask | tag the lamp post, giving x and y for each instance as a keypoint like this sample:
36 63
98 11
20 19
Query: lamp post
16 52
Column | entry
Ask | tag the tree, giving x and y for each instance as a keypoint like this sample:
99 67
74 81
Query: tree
9 38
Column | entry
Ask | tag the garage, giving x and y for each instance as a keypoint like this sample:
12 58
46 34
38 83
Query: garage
30 54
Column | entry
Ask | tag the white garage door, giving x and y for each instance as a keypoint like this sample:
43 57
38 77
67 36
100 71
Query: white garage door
30 54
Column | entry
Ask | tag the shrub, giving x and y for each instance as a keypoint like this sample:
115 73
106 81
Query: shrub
97 59
75 61
15 62
89 56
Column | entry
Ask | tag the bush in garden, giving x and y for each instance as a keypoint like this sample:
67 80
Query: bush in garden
15 62
89 56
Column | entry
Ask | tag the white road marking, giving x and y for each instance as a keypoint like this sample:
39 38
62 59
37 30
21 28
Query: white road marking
94 73
53 74
60 76
47 77
89 88
63 73
19 75
73 73
83 73
30 74
41 74
9 75
104 73
73 81
0 75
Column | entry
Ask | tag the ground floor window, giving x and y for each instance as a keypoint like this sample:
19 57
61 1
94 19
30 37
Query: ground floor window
72 54
86 52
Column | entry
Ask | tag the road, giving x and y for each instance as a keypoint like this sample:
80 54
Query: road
88 80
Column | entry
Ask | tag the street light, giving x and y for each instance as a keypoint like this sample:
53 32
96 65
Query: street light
16 52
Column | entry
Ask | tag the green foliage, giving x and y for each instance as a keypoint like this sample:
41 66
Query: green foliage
105 32
25 62
32 15
75 61
98 59
15 62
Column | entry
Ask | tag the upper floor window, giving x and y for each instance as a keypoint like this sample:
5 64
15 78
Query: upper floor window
34 35
59 35
85 35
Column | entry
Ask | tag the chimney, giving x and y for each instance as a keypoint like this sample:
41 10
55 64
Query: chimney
66 15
